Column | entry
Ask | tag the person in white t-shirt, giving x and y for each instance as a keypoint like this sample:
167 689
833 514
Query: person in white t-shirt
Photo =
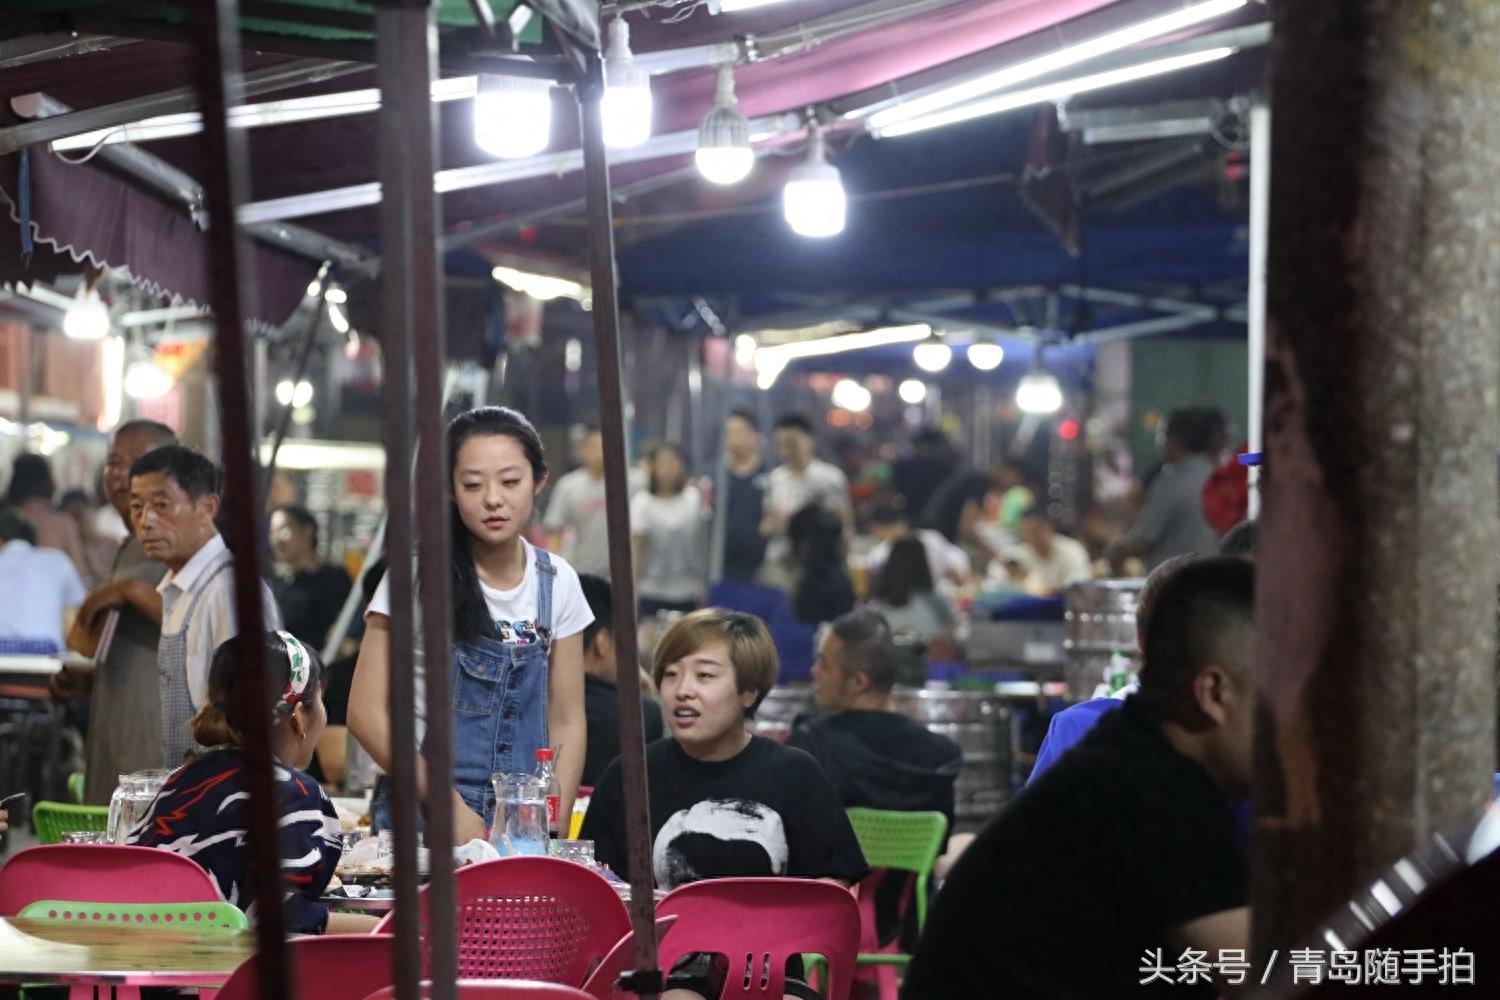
946 561
667 525
799 480
518 618
1046 561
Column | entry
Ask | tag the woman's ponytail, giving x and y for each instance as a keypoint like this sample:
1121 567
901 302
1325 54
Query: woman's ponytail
211 726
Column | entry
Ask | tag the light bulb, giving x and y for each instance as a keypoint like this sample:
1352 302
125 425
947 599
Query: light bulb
87 317
299 394
744 350
724 155
813 198
912 391
626 105
986 355
512 116
1039 392
337 319
145 380
932 354
850 395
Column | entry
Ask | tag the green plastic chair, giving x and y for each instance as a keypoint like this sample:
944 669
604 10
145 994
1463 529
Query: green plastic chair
75 787
53 819
193 918
898 841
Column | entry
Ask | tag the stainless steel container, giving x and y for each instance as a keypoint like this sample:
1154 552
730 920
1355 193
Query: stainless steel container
980 723
1100 622
781 706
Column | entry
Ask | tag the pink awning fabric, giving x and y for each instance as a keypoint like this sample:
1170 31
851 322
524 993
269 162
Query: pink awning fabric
96 217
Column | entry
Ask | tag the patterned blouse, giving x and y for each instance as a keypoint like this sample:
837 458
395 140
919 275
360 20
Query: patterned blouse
203 813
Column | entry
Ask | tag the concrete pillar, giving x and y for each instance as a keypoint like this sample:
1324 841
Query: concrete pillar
1376 593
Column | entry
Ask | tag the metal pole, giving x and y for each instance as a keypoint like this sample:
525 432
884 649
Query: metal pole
646 979
309 338
1260 216
406 43
224 160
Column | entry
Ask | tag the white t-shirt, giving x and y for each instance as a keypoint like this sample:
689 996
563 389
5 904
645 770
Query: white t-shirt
944 559
514 612
673 567
788 492
1068 563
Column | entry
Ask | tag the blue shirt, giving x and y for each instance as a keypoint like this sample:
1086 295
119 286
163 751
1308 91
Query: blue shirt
1067 728
36 587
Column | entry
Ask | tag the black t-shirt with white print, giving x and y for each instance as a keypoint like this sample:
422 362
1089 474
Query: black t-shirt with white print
769 810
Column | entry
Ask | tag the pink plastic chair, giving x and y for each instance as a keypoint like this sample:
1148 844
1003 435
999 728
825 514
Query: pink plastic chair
498 989
602 981
330 967
758 923
532 918
102 873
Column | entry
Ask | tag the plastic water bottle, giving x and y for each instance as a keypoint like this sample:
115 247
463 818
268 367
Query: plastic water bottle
546 776
1119 672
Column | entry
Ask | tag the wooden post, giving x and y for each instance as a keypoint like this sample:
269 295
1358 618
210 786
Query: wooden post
1375 614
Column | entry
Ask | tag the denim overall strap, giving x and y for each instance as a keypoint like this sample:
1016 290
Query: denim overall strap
176 702
500 702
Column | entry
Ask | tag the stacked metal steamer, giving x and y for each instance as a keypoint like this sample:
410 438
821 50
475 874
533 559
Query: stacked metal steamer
1100 622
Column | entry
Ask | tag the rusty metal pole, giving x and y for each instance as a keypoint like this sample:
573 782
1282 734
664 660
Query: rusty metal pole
224 162
406 50
1375 619
646 979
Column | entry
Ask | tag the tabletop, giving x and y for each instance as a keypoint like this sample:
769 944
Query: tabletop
36 951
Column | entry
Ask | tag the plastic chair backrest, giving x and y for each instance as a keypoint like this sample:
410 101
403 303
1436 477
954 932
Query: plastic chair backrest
498 989
193 918
759 923
53 819
532 918
601 982
329 967
904 841
102 873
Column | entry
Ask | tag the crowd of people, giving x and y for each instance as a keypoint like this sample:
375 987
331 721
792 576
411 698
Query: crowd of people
534 667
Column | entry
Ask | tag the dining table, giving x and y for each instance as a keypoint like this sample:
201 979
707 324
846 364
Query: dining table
72 953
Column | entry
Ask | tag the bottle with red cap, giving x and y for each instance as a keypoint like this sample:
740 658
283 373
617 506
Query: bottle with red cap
546 776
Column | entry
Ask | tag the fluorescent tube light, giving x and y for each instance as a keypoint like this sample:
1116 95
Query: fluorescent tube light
1070 55
1048 92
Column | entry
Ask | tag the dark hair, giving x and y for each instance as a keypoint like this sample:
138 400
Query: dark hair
222 718
1152 588
906 573
471 617
682 477
601 601
1239 540
370 580
189 469
1202 617
929 438
1194 428
73 495
302 516
30 479
745 415
947 504
794 422
159 433
823 590
14 527
866 646
887 513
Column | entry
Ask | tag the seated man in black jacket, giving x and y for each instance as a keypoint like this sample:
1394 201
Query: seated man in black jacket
876 758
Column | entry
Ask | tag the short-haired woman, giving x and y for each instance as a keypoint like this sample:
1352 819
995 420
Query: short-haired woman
724 803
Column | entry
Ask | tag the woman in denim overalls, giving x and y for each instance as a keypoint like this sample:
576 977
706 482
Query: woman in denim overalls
516 688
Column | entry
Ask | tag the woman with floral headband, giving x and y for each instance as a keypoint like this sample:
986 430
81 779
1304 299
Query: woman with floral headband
203 810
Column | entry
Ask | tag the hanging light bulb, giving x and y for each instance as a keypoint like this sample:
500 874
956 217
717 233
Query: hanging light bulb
813 198
293 394
912 391
1039 391
627 92
850 395
512 116
932 354
985 354
144 378
724 155
87 317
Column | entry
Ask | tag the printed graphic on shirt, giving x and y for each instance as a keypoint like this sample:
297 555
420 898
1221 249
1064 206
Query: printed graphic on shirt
523 632
718 835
